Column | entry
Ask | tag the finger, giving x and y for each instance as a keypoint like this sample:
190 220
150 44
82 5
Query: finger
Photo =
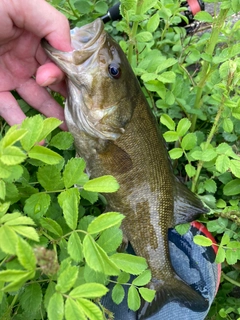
41 100
43 20
10 110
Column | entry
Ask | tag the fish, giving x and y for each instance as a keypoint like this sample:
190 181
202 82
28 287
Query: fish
117 134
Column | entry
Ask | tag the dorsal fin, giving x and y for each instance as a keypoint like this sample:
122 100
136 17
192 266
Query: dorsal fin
187 206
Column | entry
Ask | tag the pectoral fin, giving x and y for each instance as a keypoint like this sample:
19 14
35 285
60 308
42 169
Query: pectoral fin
187 206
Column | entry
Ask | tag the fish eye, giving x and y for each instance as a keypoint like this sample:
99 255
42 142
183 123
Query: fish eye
114 70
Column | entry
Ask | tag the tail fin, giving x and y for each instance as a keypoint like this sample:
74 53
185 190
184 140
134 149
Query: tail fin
172 290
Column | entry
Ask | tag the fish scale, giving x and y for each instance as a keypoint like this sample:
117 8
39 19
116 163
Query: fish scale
116 133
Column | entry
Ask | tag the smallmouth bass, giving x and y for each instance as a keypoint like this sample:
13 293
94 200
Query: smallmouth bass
116 133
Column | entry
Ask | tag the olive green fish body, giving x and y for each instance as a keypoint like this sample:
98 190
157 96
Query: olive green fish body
116 133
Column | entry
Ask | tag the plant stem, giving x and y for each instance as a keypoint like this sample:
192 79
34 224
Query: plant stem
236 283
134 31
206 70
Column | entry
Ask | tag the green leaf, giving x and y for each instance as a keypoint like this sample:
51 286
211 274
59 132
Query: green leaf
167 121
13 135
2 190
143 278
69 201
62 141
208 155
225 239
123 277
50 178
96 258
67 278
12 275
129 263
45 155
183 126
73 310
55 308
102 184
220 257
92 197
134 301
73 171
190 170
51 226
235 167
175 153
8 240
18 283
147 5
31 298
48 294
37 205
210 186
118 293
105 221
153 23
144 36
25 255
189 141
34 126
203 16
182 228
227 125
147 294
49 124
4 208
90 309
13 172
83 6
222 163
12 155
167 77
110 239
89 290
27 232
171 136
232 188
101 7
202 241
74 247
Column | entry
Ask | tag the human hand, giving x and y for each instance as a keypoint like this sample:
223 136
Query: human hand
24 66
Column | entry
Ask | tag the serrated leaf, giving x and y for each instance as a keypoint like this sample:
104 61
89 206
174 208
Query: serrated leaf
168 122
4 208
44 154
31 298
67 278
189 141
96 258
227 125
25 255
204 16
129 263
175 153
167 77
102 184
73 170
89 290
13 135
37 205
143 278
2 190
52 226
153 23
235 167
147 294
17 284
124 277
14 172
92 197
210 186
17 219
144 36
12 275
232 188
208 155
91 310
27 232
101 7
225 239
222 163
12 155
49 124
105 221
202 241
182 228
69 201
110 239
183 126
171 136
8 240
48 294
220 257
190 170
75 248
134 301
34 126
50 177
118 293
73 310
55 308
62 140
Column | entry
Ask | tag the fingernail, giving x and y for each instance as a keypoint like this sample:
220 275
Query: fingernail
48 82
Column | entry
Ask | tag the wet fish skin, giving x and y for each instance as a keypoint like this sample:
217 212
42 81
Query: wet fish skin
116 133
